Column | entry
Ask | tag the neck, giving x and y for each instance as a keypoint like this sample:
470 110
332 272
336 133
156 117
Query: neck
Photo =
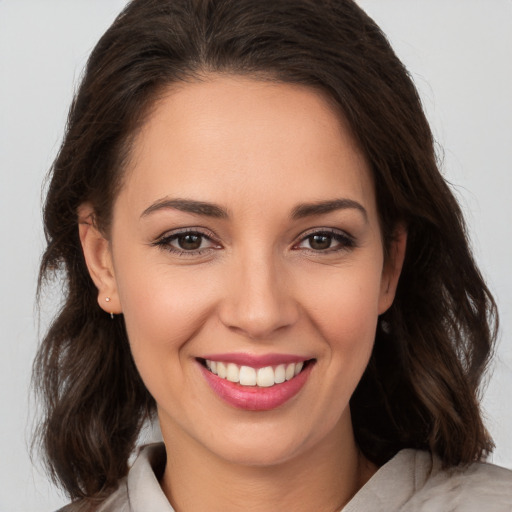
323 478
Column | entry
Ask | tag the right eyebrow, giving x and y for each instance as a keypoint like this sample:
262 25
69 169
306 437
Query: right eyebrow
187 205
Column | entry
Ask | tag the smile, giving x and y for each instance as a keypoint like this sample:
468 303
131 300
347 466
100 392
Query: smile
248 376
257 385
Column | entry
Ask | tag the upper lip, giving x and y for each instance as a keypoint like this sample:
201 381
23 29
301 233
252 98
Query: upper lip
256 361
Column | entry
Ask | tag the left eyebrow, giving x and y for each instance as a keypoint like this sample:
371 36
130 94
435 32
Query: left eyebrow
323 207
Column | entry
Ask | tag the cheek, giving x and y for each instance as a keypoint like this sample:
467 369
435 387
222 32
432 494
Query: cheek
345 306
162 309
163 312
345 314
342 311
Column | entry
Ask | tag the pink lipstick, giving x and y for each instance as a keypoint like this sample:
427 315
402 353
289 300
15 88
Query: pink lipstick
255 383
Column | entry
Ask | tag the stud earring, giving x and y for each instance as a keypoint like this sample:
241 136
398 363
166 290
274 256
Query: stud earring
107 299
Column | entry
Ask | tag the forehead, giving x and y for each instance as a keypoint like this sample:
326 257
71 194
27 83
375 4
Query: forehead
229 137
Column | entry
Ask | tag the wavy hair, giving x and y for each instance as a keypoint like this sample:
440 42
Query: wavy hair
421 387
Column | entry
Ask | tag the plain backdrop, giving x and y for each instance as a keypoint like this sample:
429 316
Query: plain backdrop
459 53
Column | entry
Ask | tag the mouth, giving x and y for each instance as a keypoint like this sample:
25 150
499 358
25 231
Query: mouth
264 377
255 388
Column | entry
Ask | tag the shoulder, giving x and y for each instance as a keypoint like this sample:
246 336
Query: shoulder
479 486
414 481
139 490
118 501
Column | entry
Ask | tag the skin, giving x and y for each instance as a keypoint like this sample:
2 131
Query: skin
258 285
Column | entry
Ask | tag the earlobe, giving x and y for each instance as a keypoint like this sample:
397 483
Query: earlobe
392 268
98 258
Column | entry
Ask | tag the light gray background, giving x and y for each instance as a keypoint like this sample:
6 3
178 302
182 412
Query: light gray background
459 53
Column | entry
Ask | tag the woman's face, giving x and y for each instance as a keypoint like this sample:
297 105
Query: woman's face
246 234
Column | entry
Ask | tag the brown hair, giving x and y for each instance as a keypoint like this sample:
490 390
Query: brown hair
420 389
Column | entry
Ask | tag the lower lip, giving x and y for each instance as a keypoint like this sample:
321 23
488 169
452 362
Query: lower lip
254 398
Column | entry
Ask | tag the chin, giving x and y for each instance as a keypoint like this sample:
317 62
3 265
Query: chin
258 453
267 443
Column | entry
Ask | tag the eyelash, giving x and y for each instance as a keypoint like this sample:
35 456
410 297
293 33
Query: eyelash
344 240
164 242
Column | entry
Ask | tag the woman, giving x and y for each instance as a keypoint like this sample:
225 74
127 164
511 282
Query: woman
259 249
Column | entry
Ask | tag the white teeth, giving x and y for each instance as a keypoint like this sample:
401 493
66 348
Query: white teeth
248 376
265 377
221 370
290 371
233 373
280 374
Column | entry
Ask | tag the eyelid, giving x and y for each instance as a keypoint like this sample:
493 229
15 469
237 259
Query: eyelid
164 240
348 239
183 231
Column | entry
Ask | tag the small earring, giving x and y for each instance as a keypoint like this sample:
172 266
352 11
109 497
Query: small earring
107 299
385 326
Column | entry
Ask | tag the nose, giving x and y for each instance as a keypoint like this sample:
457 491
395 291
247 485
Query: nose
258 300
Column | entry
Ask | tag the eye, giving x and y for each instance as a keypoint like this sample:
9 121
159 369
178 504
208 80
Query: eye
326 241
189 241
186 242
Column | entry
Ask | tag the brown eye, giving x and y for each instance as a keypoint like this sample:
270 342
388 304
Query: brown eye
326 242
320 242
189 242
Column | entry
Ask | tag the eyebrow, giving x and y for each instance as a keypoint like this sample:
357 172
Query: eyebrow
189 206
212 210
323 207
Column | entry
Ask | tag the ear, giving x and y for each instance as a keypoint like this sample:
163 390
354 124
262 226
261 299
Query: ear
392 268
98 258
